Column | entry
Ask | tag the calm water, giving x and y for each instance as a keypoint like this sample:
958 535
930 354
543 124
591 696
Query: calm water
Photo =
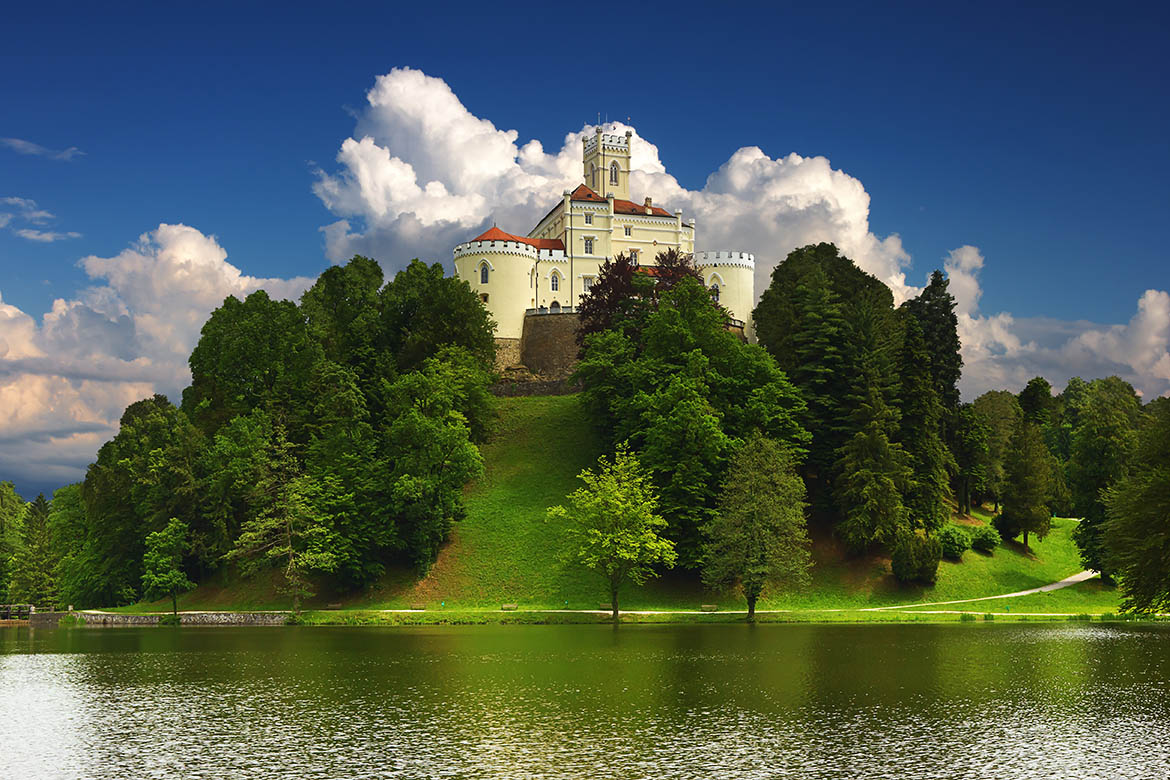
941 701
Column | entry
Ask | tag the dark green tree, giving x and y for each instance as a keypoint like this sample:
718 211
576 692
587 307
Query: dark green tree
1001 411
33 565
1028 485
162 564
12 512
758 533
424 311
67 533
1036 401
920 434
1102 448
971 452
934 309
1136 533
252 354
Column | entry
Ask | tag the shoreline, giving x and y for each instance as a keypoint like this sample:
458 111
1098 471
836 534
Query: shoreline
408 617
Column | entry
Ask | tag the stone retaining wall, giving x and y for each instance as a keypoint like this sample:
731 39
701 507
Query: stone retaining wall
95 619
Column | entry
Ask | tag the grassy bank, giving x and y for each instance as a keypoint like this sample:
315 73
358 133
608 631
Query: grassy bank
504 551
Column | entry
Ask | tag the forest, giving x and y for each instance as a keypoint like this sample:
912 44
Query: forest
328 440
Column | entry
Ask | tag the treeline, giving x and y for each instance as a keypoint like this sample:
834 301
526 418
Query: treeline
326 440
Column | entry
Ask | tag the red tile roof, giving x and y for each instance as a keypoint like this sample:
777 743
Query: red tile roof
495 234
584 193
629 207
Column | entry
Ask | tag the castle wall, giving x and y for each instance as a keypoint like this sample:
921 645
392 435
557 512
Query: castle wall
549 345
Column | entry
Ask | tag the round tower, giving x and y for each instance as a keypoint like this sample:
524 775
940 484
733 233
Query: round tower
731 276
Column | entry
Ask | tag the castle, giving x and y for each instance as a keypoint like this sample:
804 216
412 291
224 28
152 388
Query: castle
552 268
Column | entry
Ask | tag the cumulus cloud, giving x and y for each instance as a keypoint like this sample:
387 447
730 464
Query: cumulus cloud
65 379
1003 352
28 147
422 173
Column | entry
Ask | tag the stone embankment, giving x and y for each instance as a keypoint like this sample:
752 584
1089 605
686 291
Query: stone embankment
97 619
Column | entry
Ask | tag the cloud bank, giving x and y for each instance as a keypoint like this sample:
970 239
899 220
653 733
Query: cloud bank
421 173
65 379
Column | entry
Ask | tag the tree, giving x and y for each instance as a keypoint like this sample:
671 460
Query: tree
423 311
614 528
920 433
33 566
162 564
873 478
1028 477
971 455
934 309
1036 400
1102 448
12 513
1001 411
758 534
289 531
1137 527
67 532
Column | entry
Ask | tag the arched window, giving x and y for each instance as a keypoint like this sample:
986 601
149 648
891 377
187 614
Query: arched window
613 173
593 175
715 293
483 273
554 282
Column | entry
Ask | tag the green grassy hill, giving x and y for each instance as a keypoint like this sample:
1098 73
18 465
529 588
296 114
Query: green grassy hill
505 550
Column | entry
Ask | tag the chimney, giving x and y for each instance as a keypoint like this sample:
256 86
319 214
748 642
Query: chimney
649 203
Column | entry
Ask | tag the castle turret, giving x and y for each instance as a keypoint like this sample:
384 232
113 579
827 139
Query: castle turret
606 159
731 277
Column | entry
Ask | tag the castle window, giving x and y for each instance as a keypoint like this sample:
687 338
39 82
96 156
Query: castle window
588 219
613 173
554 281
634 256
483 273
715 293
629 230
589 246
587 283
483 297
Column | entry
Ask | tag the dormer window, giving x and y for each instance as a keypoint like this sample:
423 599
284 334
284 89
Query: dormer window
613 173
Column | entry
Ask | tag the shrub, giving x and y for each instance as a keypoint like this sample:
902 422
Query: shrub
169 620
915 558
966 617
954 541
1008 528
984 539
988 616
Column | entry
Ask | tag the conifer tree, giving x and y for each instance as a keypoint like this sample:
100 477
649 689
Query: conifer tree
33 565
934 309
921 434
1028 485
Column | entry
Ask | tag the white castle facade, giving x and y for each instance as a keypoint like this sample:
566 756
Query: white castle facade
550 269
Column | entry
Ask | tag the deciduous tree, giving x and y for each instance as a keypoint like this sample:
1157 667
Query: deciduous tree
162 564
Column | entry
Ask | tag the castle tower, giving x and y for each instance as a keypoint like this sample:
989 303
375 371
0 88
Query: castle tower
606 161
731 278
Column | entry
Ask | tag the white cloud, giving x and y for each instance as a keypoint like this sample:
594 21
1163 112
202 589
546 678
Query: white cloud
45 236
422 173
1003 352
65 380
28 147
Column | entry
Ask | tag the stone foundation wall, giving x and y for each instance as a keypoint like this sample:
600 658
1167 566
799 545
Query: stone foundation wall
507 353
116 620
549 344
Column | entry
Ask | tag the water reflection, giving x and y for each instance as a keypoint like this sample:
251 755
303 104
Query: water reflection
587 701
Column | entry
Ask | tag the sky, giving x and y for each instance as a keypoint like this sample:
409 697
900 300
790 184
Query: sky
155 158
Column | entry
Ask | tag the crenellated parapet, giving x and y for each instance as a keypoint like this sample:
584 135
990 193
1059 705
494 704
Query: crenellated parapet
718 259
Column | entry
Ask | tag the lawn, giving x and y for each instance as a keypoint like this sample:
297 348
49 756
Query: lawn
506 550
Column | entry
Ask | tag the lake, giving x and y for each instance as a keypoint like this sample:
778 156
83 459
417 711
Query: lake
672 701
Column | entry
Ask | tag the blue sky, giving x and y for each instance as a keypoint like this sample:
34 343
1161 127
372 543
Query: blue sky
1037 136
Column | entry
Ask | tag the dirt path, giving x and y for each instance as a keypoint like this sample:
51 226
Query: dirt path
1071 580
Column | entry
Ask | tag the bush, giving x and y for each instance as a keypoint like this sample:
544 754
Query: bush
967 617
1008 528
915 559
169 620
954 541
988 616
984 539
